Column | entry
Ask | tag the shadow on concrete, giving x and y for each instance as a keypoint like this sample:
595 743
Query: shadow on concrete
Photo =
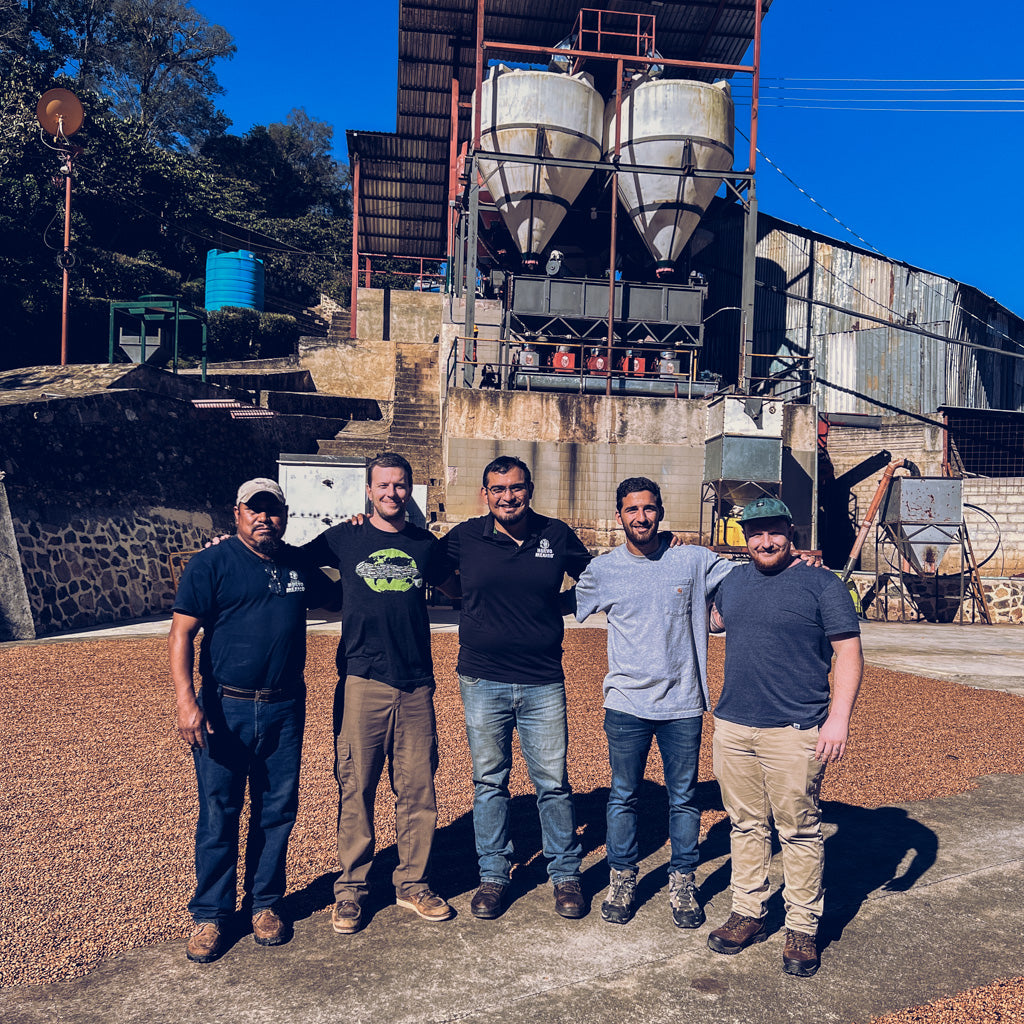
868 853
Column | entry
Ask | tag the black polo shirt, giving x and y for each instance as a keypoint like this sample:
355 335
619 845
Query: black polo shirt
510 627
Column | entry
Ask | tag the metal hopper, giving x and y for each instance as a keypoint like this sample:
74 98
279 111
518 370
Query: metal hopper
537 114
923 516
671 123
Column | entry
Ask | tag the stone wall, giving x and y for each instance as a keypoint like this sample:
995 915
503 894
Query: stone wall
105 564
103 487
937 598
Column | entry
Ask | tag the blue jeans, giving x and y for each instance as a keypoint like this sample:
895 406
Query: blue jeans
493 709
629 742
262 743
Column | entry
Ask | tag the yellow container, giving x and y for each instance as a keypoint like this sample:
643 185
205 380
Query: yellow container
730 533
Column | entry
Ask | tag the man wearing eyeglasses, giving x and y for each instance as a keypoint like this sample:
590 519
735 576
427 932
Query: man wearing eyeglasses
511 564
249 595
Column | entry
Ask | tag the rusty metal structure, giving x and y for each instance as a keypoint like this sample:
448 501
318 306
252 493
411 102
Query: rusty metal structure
417 192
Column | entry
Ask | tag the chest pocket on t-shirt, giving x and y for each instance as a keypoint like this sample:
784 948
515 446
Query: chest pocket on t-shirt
680 596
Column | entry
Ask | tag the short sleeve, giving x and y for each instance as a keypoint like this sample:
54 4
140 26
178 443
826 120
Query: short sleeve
577 557
838 614
449 551
195 596
587 598
317 552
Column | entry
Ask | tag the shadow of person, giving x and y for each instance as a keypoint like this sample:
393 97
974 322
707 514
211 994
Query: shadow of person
868 853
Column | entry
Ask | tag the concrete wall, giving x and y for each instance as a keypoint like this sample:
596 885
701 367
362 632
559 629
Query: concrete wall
579 447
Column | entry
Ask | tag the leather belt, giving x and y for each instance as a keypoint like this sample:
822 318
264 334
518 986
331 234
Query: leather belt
262 696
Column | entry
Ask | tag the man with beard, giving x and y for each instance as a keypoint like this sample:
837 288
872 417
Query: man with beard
775 728
249 596
656 601
511 564
388 692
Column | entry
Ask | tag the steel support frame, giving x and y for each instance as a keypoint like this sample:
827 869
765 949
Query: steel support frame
747 177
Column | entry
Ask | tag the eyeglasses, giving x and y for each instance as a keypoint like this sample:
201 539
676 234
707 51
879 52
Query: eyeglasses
275 584
497 490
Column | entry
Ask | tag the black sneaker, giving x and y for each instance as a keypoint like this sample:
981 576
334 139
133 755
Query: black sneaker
682 897
618 907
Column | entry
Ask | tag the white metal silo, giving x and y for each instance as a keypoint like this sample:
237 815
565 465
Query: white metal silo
542 114
671 123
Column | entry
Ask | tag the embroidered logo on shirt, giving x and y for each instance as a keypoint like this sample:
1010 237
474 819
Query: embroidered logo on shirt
544 549
390 569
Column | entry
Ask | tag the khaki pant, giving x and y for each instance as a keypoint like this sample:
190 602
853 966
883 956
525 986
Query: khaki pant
766 774
381 722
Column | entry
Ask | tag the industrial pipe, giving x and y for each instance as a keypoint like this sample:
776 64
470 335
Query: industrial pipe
883 488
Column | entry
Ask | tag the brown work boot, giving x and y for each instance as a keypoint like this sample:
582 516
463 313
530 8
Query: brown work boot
346 917
488 901
206 943
267 928
427 904
737 933
569 898
800 957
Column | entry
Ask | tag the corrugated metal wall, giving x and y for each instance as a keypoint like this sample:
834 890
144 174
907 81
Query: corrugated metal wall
862 366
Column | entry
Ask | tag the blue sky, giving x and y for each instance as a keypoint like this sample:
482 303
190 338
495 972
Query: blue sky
926 172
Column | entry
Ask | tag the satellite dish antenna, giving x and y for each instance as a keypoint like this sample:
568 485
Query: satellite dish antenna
60 113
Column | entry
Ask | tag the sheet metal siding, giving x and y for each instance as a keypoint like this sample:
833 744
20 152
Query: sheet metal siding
872 368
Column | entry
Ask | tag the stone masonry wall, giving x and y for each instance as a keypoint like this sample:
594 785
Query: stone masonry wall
103 487
106 564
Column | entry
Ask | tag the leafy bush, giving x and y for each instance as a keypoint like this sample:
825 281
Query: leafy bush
238 333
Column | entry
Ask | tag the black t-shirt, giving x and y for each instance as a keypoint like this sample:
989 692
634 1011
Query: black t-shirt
385 631
510 627
253 613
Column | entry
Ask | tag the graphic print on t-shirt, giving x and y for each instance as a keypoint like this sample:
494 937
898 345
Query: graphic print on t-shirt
390 569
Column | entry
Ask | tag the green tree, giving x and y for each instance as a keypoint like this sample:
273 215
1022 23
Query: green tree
155 60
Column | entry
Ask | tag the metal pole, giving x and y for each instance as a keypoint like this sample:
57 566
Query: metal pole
612 254
354 298
749 281
478 76
755 86
472 229
65 262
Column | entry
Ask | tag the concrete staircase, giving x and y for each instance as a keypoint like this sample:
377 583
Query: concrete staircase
415 427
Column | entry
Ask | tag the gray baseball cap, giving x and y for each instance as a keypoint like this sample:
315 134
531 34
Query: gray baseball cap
260 485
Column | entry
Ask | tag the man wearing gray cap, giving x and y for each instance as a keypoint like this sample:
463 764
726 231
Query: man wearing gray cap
249 595
776 728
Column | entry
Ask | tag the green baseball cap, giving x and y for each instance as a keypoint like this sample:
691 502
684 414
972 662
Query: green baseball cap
765 508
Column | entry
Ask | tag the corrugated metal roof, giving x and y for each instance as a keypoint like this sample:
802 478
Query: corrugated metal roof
437 43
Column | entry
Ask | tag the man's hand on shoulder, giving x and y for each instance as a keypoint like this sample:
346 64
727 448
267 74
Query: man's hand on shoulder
214 541
812 558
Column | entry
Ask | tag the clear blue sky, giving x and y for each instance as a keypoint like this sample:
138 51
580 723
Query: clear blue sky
927 178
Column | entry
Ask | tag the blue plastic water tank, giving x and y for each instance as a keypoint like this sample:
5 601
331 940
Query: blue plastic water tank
234 279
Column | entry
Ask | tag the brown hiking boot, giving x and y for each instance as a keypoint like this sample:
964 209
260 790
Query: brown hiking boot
737 933
428 905
206 943
346 917
488 900
569 898
800 957
267 928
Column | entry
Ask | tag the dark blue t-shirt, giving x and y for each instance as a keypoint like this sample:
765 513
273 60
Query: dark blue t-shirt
253 613
385 630
777 650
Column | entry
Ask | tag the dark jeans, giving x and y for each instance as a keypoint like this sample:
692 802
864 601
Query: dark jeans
261 743
629 742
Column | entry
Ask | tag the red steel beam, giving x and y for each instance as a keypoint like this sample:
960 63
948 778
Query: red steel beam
354 300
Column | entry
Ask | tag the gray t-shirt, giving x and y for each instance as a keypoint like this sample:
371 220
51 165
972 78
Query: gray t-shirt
777 648
657 609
